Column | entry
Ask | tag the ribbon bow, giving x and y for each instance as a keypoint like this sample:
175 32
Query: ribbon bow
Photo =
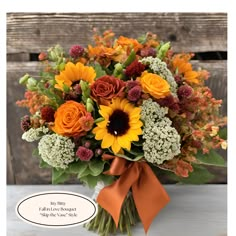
149 195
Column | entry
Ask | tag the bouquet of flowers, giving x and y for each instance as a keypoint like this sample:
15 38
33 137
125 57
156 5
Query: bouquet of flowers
118 114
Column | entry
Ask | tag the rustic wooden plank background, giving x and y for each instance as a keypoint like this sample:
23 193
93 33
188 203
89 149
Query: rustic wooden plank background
30 33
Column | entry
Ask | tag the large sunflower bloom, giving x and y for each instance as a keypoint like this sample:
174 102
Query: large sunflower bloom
121 125
73 73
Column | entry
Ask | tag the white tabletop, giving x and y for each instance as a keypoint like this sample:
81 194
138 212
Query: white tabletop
199 210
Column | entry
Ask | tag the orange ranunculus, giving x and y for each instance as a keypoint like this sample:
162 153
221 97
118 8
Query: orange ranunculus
67 119
154 85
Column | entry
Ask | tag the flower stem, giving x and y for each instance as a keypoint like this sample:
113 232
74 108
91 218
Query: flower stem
104 224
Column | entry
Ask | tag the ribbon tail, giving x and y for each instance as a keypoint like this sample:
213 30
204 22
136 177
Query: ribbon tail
112 197
149 195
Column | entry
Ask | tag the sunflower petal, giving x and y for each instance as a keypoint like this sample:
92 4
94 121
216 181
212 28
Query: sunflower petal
102 124
124 142
105 110
135 113
115 146
136 131
136 125
99 133
128 108
132 136
107 141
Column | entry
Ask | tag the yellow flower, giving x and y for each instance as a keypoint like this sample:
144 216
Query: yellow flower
121 125
224 145
154 85
74 72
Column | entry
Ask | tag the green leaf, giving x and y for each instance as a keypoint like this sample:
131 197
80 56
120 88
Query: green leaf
223 133
86 172
130 58
47 75
135 153
51 95
100 119
107 179
90 180
77 167
96 167
211 158
59 176
138 144
137 158
99 71
200 175
66 88
44 164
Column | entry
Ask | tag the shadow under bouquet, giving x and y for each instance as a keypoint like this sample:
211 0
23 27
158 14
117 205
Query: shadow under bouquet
119 114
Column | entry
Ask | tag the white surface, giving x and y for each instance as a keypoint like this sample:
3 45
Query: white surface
193 211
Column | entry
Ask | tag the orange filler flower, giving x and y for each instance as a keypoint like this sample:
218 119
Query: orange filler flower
181 63
129 43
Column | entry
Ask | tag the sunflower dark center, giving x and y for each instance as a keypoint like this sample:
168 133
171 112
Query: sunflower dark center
118 123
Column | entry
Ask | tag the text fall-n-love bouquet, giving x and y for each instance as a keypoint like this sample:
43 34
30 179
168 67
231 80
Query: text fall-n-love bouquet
119 114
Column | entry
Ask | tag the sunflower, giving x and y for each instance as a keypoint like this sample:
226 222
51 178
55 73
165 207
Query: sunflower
121 125
73 73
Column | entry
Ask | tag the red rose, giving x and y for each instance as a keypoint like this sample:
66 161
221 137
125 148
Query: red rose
107 87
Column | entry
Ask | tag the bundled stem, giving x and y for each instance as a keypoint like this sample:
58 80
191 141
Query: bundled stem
104 224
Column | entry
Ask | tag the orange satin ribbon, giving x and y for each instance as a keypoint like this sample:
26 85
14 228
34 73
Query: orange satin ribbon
149 195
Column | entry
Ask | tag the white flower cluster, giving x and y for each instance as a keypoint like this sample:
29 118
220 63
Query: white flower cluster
56 150
162 141
34 134
159 67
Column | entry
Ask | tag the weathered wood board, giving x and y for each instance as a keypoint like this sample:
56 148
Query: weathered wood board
34 32
194 32
22 38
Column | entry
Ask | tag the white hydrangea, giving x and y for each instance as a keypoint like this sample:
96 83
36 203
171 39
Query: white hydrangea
34 134
159 67
162 141
56 150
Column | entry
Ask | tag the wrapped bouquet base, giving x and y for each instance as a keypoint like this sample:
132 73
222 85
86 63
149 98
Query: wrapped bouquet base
136 194
105 225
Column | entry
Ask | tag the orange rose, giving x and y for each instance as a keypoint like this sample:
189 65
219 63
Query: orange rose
154 85
67 119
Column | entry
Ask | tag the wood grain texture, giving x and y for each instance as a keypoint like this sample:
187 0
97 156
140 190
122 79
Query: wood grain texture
193 32
10 171
35 32
193 210
26 168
